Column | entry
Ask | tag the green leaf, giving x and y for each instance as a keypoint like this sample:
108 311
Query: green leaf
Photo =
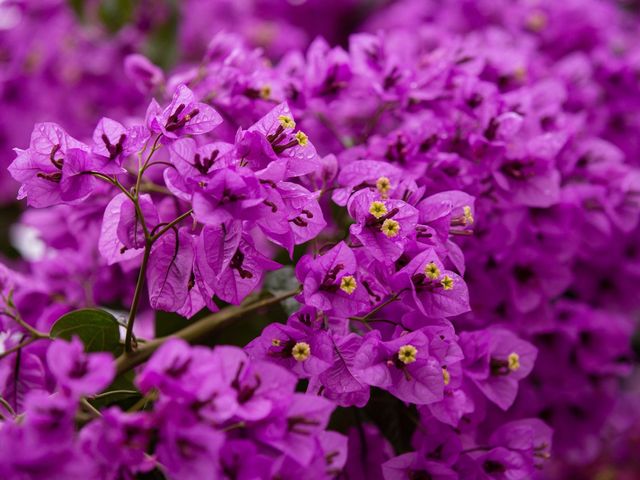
97 329
115 14
78 7
396 421
161 46
122 391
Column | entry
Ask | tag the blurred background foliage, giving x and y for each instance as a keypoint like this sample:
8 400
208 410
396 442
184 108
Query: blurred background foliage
159 19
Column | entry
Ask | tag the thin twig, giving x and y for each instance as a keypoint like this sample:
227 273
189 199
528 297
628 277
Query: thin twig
18 319
7 406
141 404
17 347
129 360
379 307
115 392
170 225
90 408
137 295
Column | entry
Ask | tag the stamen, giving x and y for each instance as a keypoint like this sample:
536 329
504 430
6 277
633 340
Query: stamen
446 376
174 123
383 184
56 163
302 139
236 264
377 209
299 222
407 354
537 21
286 121
447 282
265 92
348 284
390 228
432 271
301 351
274 207
467 214
513 361
52 177
295 424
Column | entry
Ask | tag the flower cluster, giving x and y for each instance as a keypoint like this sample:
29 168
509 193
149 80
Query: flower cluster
452 201
212 409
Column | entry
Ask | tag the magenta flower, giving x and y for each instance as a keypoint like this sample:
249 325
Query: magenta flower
341 382
52 169
79 373
183 116
261 388
290 215
144 74
116 142
300 349
531 178
450 197
412 465
188 452
496 360
383 226
233 460
115 224
195 163
496 463
295 433
117 442
170 271
330 282
276 149
130 232
402 366
230 193
430 288
228 264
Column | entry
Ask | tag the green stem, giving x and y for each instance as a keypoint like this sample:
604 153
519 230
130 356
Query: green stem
141 404
90 408
136 296
17 347
115 392
7 406
379 307
129 360
170 225
32 331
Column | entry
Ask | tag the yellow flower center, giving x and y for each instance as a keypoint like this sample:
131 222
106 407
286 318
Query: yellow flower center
447 282
286 121
468 216
348 284
301 351
383 184
446 376
302 139
432 271
377 209
390 228
520 74
513 361
276 343
265 92
407 354
537 21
